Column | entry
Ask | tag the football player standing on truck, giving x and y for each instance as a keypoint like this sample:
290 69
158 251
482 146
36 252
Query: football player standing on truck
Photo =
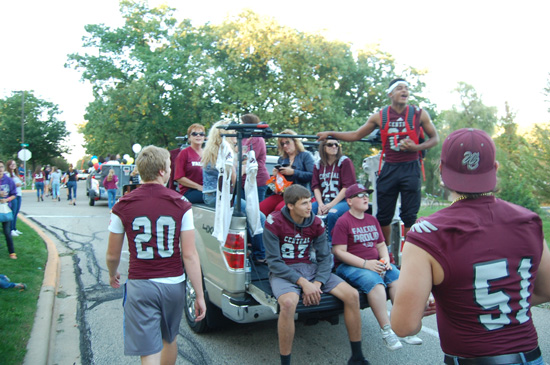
289 235
485 261
400 129
158 223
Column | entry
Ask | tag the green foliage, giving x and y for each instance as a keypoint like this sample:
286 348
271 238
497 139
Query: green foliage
17 308
44 133
517 191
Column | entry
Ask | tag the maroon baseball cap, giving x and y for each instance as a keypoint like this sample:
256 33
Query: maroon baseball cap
356 189
468 161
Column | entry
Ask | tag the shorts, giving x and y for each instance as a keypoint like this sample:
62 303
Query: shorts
152 313
365 280
395 178
281 286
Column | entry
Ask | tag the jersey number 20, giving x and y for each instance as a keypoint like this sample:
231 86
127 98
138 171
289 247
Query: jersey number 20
165 228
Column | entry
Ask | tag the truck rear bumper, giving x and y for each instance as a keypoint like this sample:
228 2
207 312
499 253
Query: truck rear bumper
247 311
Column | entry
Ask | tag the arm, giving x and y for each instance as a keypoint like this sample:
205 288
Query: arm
276 264
319 199
342 254
192 266
113 258
427 125
372 123
413 290
541 289
303 176
189 183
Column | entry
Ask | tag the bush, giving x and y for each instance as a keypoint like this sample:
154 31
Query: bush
518 193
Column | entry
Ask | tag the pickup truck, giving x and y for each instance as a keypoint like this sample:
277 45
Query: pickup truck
234 287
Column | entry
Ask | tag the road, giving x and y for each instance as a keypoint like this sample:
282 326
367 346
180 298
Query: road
88 314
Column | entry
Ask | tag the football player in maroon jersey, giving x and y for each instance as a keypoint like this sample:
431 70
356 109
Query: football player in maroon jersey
485 261
158 223
290 236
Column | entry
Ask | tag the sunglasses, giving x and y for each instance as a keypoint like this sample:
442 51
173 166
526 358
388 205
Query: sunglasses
194 134
330 145
360 195
285 143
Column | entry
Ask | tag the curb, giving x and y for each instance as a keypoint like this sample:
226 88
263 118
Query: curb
39 343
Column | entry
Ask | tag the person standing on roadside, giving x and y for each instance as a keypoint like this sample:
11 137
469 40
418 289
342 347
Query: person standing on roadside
38 182
56 183
8 193
16 203
400 125
47 173
110 183
485 261
72 176
153 301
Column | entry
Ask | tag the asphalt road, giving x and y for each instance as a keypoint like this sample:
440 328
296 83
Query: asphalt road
88 313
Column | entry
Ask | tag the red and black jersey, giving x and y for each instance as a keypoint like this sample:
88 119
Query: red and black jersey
490 252
397 129
152 216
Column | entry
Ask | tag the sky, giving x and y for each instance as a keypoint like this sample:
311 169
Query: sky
498 47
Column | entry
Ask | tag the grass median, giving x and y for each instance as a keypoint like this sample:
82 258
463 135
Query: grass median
18 307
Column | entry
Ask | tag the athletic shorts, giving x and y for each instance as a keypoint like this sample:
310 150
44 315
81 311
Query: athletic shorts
152 313
281 286
395 178
365 280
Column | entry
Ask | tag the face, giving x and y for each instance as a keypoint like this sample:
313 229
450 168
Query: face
331 147
302 208
359 201
196 136
288 145
400 94
167 171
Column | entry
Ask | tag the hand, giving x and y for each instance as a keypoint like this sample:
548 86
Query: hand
114 280
376 266
430 307
274 172
321 136
286 171
321 209
408 145
3 193
200 309
311 292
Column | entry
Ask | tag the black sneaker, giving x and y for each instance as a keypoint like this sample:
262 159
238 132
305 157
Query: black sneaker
362 361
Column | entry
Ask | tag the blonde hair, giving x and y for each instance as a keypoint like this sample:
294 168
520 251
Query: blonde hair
110 176
297 142
150 161
210 152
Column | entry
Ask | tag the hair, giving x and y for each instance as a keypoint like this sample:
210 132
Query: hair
295 193
110 176
194 126
11 173
297 143
323 154
37 170
71 166
250 119
210 152
54 168
395 80
151 161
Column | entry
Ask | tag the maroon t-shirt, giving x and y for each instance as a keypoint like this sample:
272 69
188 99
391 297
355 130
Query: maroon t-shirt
257 144
490 252
331 179
360 235
397 123
151 216
189 165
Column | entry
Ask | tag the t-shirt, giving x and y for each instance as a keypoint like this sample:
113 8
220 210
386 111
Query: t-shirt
490 252
257 144
359 235
109 185
331 179
38 177
189 165
152 219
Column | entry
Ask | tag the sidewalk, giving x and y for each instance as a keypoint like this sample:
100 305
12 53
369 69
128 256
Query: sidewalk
55 336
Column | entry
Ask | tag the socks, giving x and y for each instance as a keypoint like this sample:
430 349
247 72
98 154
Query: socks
356 351
285 359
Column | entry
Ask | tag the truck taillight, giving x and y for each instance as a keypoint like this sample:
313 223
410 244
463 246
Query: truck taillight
233 251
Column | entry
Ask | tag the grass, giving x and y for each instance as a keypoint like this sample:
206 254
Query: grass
18 307
424 212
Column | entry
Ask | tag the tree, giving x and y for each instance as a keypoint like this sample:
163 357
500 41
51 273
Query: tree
44 133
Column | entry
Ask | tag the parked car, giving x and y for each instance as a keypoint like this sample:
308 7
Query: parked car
82 175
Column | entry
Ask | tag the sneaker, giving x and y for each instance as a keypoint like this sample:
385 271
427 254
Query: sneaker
18 231
412 340
14 233
390 338
362 361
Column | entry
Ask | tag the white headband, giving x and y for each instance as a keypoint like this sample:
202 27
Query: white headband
390 89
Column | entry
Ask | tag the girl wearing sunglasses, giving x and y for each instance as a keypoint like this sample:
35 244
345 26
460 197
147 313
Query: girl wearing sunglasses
189 166
332 175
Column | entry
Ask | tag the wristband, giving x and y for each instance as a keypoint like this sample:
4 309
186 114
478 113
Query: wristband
364 264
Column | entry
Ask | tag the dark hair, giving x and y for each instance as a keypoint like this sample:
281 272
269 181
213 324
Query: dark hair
396 80
294 193
250 119
323 153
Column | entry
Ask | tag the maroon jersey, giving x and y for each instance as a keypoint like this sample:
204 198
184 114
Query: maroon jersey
397 123
490 252
151 216
189 165
331 179
360 235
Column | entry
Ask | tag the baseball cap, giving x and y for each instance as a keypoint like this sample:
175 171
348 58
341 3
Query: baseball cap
468 161
356 189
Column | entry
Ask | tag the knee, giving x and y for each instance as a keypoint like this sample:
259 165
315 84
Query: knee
288 303
351 296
